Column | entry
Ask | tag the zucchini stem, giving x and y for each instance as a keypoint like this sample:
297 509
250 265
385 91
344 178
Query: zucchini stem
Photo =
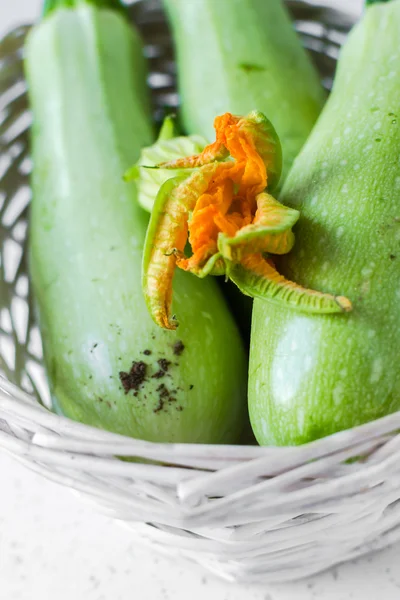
50 5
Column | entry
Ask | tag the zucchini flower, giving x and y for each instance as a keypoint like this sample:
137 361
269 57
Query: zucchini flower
214 214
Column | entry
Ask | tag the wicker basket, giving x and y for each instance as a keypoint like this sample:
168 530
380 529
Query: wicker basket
245 513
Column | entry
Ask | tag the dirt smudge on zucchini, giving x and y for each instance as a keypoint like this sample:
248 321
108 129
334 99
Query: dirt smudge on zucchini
164 364
178 348
164 397
133 379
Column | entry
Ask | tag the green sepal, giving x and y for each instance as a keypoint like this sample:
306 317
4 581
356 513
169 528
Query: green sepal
214 266
160 201
281 291
151 242
148 176
168 129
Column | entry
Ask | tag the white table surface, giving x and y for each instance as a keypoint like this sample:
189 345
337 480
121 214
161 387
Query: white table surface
53 546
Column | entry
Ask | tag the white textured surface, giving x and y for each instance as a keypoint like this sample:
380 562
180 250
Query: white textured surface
54 546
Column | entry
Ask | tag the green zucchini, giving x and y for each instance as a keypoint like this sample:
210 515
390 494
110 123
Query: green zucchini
242 55
313 375
237 56
108 364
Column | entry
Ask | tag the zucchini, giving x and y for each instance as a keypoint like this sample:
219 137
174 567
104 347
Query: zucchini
237 56
108 364
242 55
213 215
313 375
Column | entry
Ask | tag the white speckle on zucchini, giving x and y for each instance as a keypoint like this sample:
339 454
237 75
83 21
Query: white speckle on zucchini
300 418
267 431
377 370
299 359
338 393
206 315
325 266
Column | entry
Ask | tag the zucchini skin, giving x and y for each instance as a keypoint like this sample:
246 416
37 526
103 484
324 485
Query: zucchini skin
242 55
310 375
88 94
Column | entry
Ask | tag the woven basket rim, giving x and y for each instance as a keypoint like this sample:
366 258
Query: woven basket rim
26 403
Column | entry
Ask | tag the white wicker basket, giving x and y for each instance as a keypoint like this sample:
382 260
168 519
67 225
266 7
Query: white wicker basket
246 513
